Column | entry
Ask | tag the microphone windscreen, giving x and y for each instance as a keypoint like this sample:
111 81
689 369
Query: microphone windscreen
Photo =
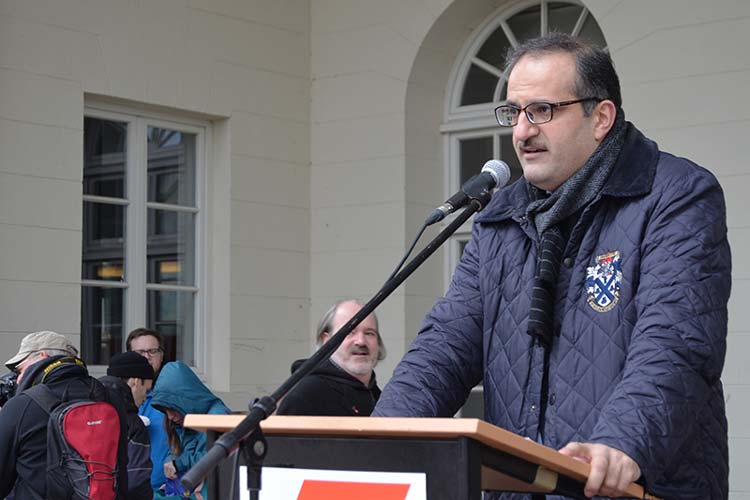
499 170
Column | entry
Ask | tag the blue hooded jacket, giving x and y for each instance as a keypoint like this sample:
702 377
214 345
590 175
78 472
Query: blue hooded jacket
158 439
179 388
640 320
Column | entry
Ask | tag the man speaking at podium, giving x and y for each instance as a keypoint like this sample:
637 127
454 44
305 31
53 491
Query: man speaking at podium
592 298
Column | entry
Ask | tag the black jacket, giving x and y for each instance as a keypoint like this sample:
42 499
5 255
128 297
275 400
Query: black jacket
139 446
23 429
330 391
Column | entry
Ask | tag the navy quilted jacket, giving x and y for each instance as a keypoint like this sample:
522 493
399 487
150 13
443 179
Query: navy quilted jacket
640 318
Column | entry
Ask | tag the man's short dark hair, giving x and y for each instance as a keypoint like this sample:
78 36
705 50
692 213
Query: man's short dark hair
142 332
596 71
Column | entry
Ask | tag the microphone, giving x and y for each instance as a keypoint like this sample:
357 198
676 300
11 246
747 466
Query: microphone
495 173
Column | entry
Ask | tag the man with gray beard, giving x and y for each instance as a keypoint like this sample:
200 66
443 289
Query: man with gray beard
345 384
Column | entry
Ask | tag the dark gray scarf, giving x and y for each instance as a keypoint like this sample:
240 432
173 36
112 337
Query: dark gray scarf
548 212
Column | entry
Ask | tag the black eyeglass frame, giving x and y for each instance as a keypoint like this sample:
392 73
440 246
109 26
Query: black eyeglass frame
151 352
552 106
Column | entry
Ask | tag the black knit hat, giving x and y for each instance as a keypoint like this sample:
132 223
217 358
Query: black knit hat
130 365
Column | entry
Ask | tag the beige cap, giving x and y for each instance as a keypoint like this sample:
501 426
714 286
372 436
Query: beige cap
39 341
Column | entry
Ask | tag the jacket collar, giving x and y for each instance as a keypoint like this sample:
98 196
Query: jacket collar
50 370
633 175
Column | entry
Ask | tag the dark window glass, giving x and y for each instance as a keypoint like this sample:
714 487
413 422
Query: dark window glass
104 157
171 247
479 87
494 49
101 323
171 167
474 153
526 24
103 245
563 16
172 315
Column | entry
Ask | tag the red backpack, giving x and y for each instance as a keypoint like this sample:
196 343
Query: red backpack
82 445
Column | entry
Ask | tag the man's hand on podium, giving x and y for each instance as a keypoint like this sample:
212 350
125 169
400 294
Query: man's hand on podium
611 470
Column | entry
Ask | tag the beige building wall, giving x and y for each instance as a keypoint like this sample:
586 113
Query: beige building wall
242 66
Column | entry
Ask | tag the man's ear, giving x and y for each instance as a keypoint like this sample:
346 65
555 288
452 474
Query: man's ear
324 337
604 115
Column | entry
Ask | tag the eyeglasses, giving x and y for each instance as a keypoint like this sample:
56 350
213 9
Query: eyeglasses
149 352
536 112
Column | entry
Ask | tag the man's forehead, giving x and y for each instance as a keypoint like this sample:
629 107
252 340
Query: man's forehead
146 340
542 76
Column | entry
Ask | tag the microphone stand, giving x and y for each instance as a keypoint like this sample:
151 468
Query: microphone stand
247 433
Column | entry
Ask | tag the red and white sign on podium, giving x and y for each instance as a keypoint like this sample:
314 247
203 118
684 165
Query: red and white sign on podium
282 483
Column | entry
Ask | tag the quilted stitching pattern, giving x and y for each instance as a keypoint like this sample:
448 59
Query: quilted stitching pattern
642 377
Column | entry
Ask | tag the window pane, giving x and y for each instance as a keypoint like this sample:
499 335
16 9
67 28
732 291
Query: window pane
104 158
494 48
591 32
171 247
474 153
101 323
563 16
172 314
526 24
508 155
103 241
171 166
479 87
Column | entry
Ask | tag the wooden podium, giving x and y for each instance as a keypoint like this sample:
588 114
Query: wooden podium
460 456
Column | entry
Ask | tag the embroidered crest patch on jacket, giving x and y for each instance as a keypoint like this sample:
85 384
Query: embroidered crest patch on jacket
603 282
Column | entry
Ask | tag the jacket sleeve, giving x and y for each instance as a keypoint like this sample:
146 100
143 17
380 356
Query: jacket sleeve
444 362
678 344
10 417
193 449
139 464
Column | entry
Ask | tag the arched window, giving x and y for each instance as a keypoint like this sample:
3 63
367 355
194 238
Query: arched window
478 84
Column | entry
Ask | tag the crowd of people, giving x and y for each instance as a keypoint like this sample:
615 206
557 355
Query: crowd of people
151 399
591 303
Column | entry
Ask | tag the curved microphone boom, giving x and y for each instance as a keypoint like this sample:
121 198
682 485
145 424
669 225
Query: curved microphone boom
495 173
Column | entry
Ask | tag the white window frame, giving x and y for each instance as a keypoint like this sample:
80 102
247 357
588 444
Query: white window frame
136 287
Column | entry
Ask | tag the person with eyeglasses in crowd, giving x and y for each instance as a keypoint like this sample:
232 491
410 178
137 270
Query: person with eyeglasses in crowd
591 300
150 345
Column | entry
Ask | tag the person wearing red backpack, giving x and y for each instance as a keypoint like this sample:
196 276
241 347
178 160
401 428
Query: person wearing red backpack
50 360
